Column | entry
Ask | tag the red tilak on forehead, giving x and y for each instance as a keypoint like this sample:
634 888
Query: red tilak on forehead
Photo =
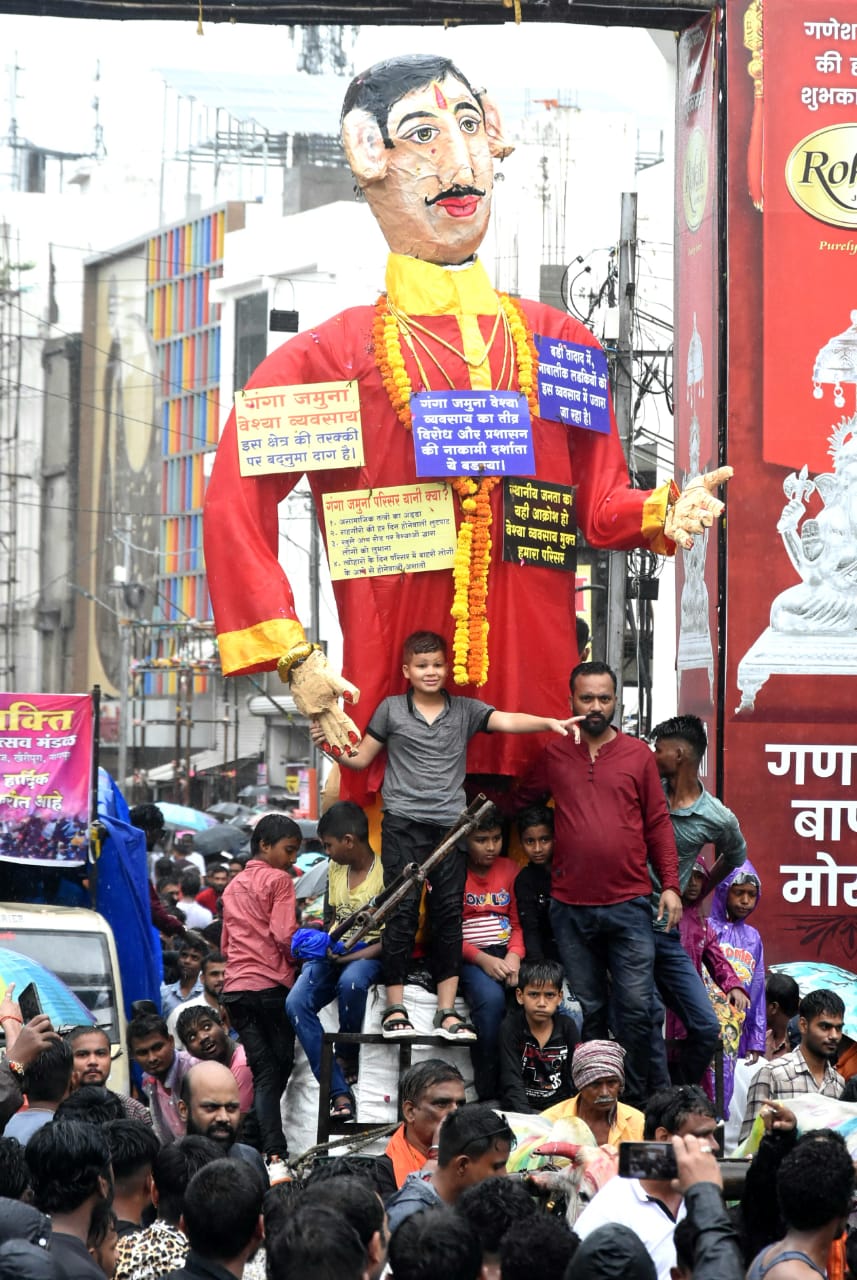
438 97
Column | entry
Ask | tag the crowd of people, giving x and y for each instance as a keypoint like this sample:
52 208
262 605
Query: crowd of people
570 954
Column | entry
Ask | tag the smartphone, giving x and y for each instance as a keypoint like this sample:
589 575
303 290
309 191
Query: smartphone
29 1002
647 1160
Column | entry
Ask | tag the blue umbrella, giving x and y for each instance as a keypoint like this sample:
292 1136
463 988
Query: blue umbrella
181 815
60 1004
815 975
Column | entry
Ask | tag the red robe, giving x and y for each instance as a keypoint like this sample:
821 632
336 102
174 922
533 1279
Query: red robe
531 610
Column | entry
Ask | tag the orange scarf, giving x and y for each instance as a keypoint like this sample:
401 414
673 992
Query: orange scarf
406 1158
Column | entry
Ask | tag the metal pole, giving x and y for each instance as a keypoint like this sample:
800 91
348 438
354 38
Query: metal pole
124 660
623 392
315 623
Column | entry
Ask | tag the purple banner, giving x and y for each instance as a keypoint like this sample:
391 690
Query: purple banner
472 433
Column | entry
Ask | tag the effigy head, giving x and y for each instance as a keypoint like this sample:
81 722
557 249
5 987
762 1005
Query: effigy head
421 142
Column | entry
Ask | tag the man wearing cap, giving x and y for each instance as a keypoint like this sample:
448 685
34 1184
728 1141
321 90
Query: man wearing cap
698 819
598 1074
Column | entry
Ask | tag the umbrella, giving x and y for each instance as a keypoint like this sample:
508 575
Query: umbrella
813 975
312 882
60 1004
226 809
181 815
220 839
279 794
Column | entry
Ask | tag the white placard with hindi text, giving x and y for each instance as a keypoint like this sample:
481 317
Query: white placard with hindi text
311 427
403 529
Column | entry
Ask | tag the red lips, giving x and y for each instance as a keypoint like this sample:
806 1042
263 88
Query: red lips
460 206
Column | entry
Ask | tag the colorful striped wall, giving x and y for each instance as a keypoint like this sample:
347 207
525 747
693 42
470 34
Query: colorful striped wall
185 324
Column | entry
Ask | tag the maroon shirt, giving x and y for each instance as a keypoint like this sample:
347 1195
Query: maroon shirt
611 818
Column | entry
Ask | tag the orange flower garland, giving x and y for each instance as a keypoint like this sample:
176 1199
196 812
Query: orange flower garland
473 550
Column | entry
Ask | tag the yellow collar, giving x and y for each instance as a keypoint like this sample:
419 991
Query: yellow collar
424 289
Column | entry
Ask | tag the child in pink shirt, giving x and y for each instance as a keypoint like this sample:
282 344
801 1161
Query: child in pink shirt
493 945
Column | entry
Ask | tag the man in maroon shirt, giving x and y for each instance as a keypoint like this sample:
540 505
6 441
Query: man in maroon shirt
611 820
258 923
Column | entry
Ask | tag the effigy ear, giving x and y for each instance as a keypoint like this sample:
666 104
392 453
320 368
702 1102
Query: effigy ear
498 145
364 147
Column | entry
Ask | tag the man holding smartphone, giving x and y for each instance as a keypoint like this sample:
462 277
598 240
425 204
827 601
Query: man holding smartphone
652 1205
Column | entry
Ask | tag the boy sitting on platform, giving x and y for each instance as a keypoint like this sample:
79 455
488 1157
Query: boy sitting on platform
355 876
536 1042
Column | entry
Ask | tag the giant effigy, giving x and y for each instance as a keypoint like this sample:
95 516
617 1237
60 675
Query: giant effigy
420 420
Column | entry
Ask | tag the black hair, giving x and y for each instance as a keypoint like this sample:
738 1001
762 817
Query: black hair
782 989
363 1167
540 1236
315 1241
148 817
174 1166
74 1034
103 1221
193 941
436 1242
165 868
278 1205
472 1130
343 819
190 883
48 1076
540 973
163 883
66 1159
583 632
213 957
689 729
144 1026
849 1093
423 1075
491 1207
14 1174
669 1108
222 1205
380 87
592 669
271 828
815 1181
133 1147
189 1019
423 641
352 1197
535 815
818 1002
490 820
91 1104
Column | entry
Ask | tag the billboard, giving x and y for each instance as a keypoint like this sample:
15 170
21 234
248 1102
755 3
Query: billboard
791 658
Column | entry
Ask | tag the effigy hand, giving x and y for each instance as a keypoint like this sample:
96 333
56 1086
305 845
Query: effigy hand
316 688
696 508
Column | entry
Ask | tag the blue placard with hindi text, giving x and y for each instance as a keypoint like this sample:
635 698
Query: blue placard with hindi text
573 384
472 433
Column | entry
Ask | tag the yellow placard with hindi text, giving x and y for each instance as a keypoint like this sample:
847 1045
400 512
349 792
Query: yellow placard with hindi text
404 529
311 427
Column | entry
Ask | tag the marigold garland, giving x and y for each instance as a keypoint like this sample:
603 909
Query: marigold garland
472 557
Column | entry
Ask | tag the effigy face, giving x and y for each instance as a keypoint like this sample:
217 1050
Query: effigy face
425 161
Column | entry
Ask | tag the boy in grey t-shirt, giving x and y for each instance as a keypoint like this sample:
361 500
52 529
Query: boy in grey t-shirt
426 732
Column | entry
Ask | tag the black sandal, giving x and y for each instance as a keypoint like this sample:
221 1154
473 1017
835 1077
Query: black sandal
342 1107
396 1023
460 1030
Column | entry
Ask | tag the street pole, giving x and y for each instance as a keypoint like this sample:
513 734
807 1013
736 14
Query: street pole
623 399
315 624
124 659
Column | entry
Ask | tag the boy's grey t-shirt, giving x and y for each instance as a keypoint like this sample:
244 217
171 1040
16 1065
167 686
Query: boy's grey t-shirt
424 778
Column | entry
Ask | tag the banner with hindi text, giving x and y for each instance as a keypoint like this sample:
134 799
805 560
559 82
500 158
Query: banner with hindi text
45 768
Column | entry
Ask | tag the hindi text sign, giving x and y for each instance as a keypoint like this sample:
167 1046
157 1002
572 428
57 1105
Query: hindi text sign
311 427
472 433
573 384
539 524
45 768
403 529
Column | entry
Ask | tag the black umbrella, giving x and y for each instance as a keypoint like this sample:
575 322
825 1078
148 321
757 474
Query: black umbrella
226 809
224 838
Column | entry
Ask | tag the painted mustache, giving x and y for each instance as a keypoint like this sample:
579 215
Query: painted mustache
454 193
